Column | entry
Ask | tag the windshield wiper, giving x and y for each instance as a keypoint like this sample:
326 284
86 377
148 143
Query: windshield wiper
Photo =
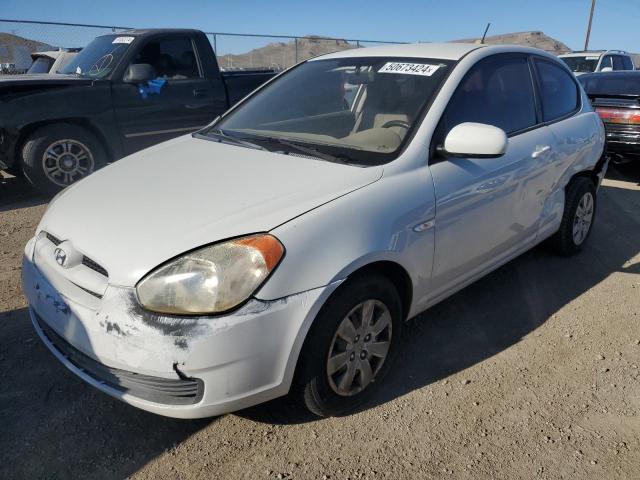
313 152
225 137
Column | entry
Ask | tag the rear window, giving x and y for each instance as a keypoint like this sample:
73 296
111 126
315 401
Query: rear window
581 64
558 90
40 65
611 84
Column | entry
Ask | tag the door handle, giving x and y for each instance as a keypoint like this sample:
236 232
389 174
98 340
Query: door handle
540 150
200 92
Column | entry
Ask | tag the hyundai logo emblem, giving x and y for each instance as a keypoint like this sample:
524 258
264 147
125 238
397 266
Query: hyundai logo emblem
60 256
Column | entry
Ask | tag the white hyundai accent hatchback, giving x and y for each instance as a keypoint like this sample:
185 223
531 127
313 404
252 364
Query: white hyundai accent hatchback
281 248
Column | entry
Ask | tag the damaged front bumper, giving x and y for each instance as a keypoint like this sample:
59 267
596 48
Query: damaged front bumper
185 367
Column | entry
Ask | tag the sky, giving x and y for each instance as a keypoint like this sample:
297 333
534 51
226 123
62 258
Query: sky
614 26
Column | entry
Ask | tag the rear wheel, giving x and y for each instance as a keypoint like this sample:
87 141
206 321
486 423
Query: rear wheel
350 347
55 156
578 216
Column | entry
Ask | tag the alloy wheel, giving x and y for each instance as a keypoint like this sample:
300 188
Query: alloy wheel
359 347
66 161
583 218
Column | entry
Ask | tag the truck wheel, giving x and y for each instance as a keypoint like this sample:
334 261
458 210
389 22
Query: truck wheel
577 219
350 347
55 156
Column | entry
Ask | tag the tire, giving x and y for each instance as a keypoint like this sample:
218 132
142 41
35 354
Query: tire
57 155
319 389
578 216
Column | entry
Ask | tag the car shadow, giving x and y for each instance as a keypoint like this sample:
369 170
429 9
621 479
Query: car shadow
17 192
629 172
497 311
54 425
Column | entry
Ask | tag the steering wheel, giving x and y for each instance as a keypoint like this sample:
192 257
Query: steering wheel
396 123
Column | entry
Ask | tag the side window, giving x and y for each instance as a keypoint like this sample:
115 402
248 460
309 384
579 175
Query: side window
173 58
618 64
559 91
628 63
606 62
497 91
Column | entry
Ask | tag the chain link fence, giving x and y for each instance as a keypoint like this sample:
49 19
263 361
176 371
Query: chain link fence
19 39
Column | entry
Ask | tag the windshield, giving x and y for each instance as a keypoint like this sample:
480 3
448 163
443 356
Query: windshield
41 65
611 84
359 109
100 57
581 64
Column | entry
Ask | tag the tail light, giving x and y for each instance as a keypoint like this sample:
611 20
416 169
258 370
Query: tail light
621 116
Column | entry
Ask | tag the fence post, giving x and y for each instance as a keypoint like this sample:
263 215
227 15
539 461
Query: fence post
215 44
295 40
358 43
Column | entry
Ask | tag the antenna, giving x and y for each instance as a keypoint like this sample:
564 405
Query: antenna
484 35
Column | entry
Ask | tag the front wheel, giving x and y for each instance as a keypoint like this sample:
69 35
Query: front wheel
55 156
577 219
351 346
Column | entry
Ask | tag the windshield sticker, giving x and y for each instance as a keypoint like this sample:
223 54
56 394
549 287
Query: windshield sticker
423 69
592 58
123 40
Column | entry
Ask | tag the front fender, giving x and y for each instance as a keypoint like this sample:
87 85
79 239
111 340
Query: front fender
374 223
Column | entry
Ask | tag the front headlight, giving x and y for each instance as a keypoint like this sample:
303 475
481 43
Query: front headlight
212 279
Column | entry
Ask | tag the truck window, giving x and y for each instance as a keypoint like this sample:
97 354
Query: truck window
618 63
581 64
173 58
628 64
606 62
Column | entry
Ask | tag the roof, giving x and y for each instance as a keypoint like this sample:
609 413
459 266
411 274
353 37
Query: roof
146 31
50 53
444 51
592 53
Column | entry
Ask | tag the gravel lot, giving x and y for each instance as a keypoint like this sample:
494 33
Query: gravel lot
532 372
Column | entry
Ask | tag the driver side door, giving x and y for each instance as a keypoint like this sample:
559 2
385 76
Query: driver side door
187 101
488 209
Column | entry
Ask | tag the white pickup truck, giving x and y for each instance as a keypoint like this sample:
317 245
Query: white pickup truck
590 61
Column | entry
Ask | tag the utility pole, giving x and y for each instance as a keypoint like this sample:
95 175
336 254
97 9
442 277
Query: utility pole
586 40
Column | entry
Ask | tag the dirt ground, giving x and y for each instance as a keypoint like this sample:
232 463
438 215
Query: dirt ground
532 372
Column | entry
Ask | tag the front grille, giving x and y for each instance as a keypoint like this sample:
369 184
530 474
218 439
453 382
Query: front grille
166 391
55 240
90 292
86 261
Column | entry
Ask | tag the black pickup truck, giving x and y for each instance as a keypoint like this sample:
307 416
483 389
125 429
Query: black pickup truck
123 92
615 96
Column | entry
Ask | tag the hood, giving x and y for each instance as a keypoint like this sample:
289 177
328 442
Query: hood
42 79
147 208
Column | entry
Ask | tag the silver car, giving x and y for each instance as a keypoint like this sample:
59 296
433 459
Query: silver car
281 249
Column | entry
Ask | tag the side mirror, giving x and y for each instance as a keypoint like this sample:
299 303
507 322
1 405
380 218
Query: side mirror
475 140
606 69
139 73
